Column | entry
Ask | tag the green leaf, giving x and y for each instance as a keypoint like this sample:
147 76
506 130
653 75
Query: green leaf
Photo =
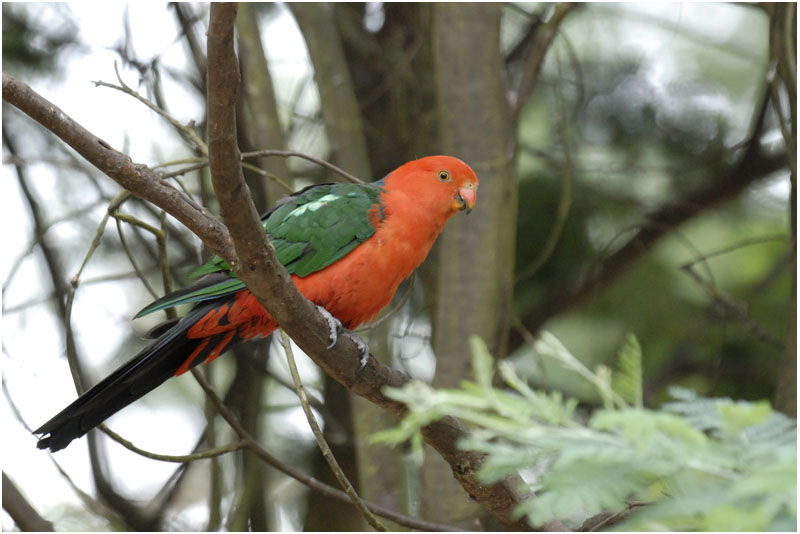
627 381
736 416
482 363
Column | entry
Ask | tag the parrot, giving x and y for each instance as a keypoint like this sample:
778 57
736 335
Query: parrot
347 247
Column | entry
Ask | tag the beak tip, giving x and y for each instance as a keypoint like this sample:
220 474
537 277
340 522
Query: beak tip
466 199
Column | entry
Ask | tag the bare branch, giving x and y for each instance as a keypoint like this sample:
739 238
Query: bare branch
752 166
304 479
320 162
24 515
138 179
323 444
542 39
268 280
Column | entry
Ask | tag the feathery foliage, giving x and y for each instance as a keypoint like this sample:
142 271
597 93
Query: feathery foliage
693 464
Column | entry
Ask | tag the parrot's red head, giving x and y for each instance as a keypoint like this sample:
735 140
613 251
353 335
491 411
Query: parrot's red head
440 184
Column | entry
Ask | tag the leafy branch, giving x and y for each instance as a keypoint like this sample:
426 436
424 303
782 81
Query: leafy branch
694 464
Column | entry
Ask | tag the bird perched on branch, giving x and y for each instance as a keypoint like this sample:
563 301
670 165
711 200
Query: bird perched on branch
347 246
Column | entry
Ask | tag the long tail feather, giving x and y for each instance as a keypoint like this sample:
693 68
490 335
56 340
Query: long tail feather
146 371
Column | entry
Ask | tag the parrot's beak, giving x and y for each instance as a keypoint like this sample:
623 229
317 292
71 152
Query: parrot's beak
465 198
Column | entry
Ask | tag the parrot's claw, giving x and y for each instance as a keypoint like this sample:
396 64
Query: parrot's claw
335 326
363 350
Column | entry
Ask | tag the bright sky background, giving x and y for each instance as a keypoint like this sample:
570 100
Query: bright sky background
38 379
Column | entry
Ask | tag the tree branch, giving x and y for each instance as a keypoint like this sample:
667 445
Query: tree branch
542 39
24 515
138 179
658 224
308 481
752 166
268 280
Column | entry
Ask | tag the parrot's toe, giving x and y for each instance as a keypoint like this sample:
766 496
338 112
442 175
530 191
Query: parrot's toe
334 325
363 349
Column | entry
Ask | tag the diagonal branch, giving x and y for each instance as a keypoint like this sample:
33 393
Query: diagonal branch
270 283
139 179
543 37
24 515
657 225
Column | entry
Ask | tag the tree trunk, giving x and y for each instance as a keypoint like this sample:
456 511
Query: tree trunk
246 398
344 129
476 252
340 111
259 110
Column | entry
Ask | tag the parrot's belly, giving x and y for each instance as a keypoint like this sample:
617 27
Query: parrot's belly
357 287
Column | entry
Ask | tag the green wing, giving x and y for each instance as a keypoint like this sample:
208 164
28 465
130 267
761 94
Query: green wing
310 230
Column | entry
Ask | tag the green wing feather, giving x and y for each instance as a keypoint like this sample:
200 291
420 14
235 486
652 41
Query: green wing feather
310 230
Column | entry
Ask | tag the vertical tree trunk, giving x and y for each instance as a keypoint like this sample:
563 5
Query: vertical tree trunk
252 477
476 252
393 76
259 110
344 129
785 34
340 110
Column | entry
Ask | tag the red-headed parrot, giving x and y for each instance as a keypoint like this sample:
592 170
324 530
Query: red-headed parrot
347 246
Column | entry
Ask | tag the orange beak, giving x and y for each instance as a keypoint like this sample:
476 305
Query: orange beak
465 198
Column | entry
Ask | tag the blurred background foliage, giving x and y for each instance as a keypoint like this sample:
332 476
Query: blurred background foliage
649 190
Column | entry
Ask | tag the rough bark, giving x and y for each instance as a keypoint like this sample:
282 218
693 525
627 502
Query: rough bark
476 252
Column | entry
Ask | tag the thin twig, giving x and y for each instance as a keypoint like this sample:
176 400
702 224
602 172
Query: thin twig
187 130
323 444
118 218
290 153
735 309
564 201
90 503
269 175
545 35
181 458
138 179
304 479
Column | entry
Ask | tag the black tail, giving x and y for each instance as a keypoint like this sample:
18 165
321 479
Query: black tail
145 372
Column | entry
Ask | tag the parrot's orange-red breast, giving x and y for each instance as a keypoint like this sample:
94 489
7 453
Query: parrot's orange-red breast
348 248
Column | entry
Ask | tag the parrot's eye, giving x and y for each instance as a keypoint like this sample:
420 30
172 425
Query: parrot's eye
444 176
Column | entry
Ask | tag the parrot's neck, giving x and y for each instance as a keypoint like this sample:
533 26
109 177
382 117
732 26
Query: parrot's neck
412 222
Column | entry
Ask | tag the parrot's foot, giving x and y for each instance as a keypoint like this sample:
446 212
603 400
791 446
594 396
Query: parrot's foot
335 327
363 349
